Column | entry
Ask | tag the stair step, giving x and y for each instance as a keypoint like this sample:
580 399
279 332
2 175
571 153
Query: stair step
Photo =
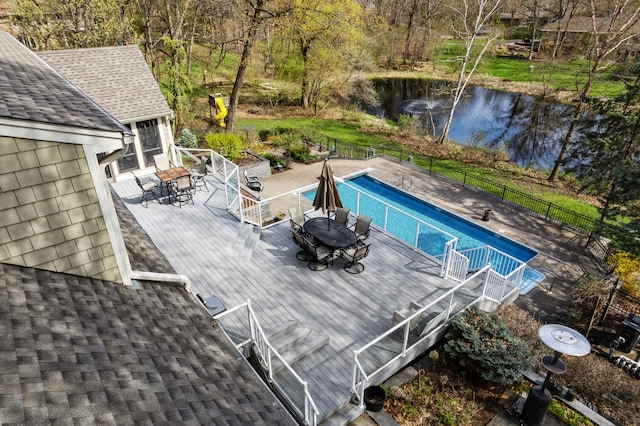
303 349
343 415
282 330
245 241
285 341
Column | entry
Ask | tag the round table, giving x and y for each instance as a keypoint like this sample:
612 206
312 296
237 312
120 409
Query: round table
329 232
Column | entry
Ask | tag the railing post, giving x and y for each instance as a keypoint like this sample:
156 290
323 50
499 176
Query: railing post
546 216
306 403
464 179
406 339
504 190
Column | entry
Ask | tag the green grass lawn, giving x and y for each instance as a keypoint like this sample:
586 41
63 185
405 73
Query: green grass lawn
349 134
565 75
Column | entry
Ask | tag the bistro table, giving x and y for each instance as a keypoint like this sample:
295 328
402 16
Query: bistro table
332 234
169 175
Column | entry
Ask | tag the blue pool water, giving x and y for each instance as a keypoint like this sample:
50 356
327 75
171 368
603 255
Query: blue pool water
430 240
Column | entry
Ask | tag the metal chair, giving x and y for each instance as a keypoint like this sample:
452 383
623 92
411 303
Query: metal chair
252 182
197 176
342 215
162 162
297 218
320 255
148 190
184 190
362 227
353 255
299 239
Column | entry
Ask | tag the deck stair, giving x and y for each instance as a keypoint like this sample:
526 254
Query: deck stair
343 415
294 342
404 313
245 242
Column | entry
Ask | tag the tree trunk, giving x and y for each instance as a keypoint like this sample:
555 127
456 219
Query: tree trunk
242 67
237 84
565 144
304 95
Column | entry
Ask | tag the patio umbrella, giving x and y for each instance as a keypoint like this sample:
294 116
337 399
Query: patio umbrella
327 197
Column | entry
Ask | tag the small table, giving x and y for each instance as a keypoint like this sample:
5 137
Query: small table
332 234
169 175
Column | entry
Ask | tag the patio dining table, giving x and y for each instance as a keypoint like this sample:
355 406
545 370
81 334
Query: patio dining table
169 175
332 234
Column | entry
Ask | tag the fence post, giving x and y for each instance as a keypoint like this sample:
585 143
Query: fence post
464 179
546 216
430 165
504 190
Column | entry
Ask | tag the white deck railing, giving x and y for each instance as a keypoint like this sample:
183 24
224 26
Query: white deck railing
301 403
389 340
223 169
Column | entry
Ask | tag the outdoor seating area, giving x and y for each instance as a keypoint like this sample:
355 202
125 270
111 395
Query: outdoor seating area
173 185
322 240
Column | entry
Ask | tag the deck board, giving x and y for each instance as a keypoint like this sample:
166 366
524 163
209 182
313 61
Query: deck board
201 241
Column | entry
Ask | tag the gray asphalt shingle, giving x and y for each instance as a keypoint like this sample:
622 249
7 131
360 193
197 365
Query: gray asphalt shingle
31 90
98 73
83 351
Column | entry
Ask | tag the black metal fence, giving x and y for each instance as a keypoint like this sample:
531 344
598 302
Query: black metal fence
504 193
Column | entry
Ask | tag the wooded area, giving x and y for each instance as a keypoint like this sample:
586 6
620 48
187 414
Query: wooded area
328 47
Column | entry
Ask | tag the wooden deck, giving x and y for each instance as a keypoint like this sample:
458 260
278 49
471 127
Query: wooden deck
236 262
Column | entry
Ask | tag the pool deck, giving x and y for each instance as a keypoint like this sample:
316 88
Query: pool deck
237 262
562 257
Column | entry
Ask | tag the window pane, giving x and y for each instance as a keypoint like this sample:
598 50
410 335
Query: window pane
149 139
128 161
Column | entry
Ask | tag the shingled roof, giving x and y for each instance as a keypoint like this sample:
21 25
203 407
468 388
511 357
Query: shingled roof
117 78
83 351
31 90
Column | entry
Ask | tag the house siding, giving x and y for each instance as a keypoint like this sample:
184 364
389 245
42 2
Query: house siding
50 217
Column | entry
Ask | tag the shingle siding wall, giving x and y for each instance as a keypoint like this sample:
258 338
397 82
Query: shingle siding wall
50 217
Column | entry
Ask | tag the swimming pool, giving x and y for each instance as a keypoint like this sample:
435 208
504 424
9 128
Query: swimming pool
364 193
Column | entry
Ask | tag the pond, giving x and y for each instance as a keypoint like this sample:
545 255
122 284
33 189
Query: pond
527 129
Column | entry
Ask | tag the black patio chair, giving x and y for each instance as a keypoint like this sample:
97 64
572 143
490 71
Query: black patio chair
197 176
184 190
353 255
253 182
362 227
300 240
320 255
297 218
148 190
342 215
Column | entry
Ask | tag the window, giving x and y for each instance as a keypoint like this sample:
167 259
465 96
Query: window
128 161
149 140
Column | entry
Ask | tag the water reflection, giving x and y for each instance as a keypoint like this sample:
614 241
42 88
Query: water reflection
529 130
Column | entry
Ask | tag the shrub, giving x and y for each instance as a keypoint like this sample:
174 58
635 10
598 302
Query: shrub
491 348
227 144
628 270
299 152
188 139
273 160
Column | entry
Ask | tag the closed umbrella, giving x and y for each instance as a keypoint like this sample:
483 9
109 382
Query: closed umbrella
327 197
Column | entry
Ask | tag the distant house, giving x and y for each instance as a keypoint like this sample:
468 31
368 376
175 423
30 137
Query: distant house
119 80
56 210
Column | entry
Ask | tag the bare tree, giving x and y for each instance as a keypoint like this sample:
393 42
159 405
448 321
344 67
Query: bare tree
471 18
609 32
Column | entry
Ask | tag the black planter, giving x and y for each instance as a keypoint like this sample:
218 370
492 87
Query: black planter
374 398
